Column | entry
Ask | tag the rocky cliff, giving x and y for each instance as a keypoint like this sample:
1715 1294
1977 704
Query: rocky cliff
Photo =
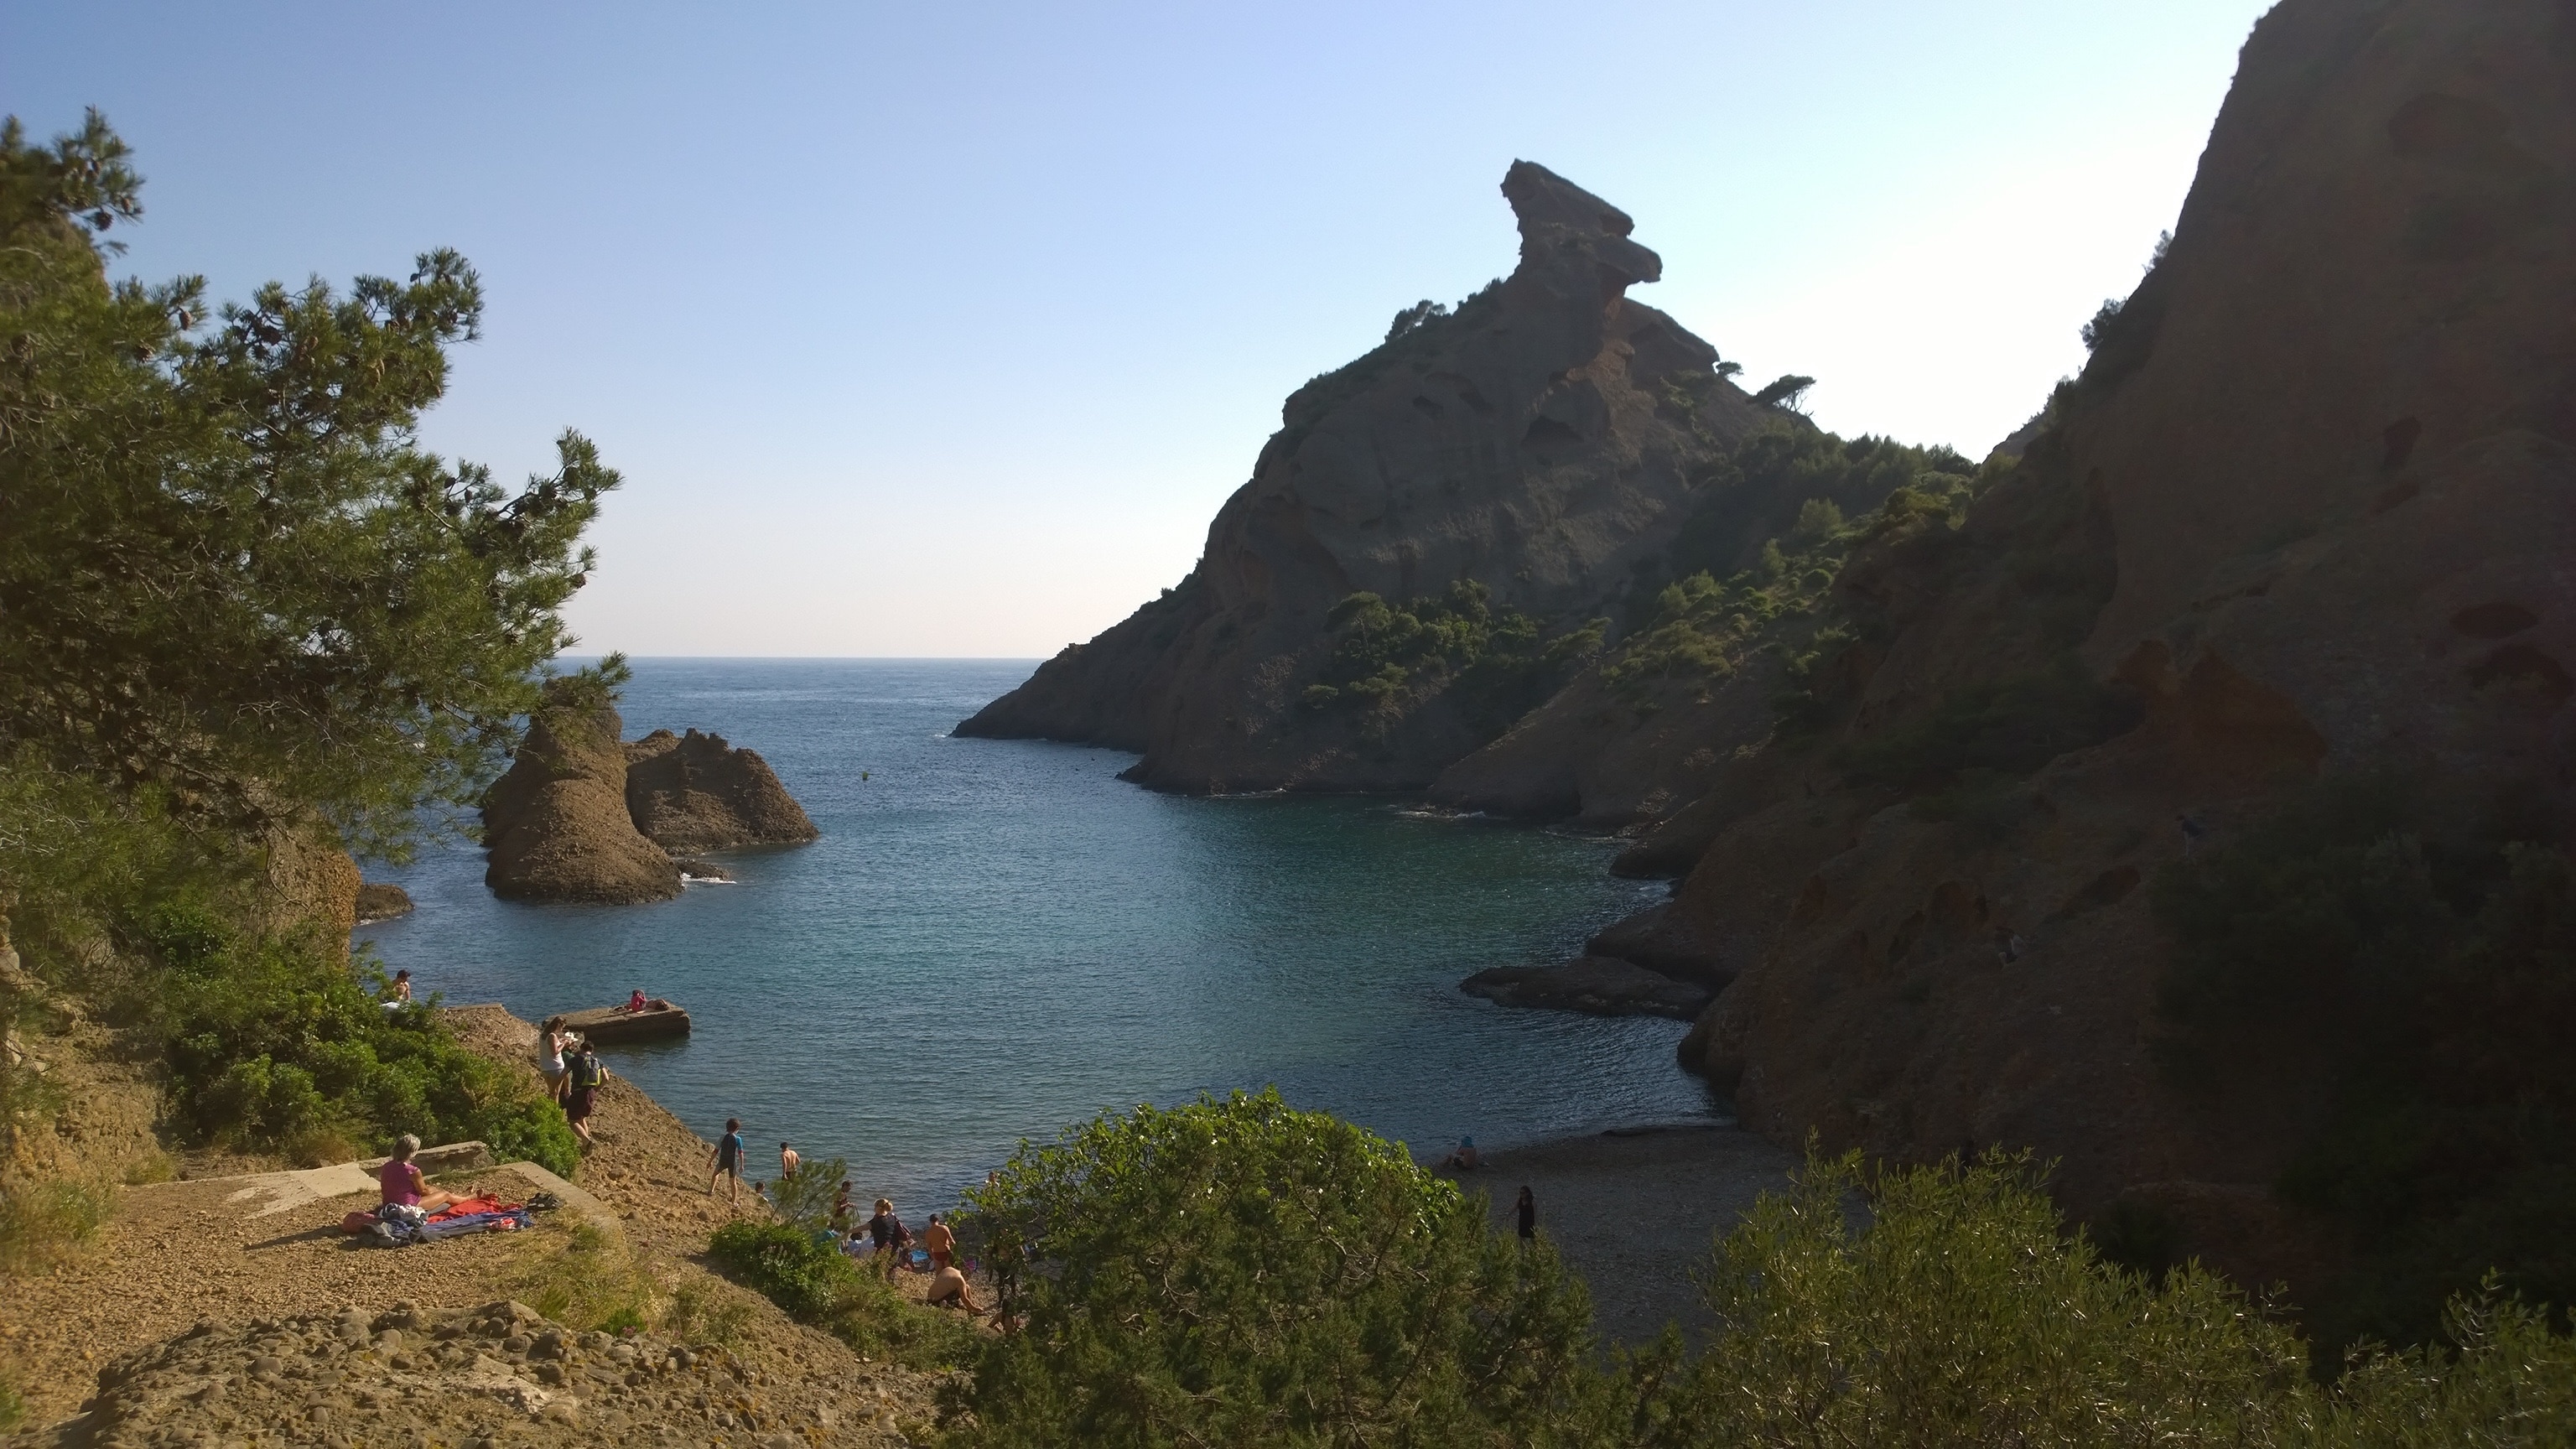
695 792
1925 742
2308 512
582 817
1495 477
557 824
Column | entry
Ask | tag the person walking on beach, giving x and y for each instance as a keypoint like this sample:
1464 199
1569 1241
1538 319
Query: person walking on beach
588 1076
728 1162
788 1161
1526 1213
939 1242
841 1209
891 1239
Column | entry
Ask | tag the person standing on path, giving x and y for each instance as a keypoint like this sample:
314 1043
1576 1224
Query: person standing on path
587 1076
550 1058
727 1154
1526 1211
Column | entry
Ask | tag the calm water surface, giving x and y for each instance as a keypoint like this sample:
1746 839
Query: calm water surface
995 938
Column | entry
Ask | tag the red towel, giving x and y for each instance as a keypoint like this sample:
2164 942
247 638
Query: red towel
462 1206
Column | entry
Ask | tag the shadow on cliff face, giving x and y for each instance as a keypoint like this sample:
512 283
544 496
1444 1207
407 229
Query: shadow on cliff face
2301 518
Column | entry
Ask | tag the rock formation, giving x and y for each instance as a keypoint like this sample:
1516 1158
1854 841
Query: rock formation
2309 508
2307 512
1541 444
582 817
557 824
382 901
694 792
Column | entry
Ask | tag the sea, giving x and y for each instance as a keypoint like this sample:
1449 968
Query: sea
996 939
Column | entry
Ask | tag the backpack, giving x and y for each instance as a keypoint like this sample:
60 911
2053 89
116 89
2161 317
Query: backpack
587 1072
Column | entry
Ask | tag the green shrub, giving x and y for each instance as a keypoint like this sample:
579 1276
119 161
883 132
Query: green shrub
1954 1311
590 1283
802 1270
42 1223
2430 974
1235 1272
804 1197
271 1042
2010 727
1491 660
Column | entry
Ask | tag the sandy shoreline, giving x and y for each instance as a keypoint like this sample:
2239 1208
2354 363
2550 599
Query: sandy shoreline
1634 1210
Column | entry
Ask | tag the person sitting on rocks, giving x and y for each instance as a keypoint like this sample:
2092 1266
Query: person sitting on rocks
947 1286
1464 1157
402 1184
635 1002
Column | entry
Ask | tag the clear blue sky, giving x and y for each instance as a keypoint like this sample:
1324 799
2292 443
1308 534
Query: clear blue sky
944 329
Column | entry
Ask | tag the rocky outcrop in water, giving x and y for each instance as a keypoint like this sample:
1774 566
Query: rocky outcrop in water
1511 466
557 824
694 792
582 817
382 901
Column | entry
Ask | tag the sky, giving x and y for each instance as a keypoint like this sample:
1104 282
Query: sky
944 330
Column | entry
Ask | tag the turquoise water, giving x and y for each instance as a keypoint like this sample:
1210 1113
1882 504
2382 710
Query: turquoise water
996 938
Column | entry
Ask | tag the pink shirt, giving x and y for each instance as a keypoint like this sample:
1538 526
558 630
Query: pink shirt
401 1182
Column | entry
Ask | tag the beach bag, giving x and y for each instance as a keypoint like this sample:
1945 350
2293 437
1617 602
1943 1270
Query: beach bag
354 1223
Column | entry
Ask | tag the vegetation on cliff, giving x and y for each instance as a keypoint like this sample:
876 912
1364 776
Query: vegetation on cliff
1492 661
245 622
2428 968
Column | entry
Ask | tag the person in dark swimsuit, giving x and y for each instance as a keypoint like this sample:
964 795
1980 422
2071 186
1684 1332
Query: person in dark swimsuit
1526 1211
727 1154
890 1236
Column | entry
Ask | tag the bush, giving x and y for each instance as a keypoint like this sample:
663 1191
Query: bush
42 1223
272 1044
1947 1305
802 1270
1953 1312
2431 976
2010 727
1236 1272
1491 660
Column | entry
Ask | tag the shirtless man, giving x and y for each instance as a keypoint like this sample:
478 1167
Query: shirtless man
948 1285
788 1161
939 1242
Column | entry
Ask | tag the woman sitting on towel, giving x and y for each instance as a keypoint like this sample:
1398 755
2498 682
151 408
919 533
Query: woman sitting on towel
402 1183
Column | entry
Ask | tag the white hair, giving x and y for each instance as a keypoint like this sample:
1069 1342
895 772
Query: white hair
405 1146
